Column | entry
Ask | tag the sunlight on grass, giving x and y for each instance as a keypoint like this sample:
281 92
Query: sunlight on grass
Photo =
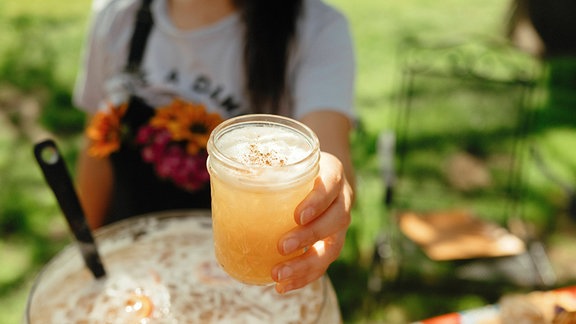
16 258
379 26
43 30
14 305
53 8
554 144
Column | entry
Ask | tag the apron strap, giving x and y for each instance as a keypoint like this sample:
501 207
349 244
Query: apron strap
144 22
138 112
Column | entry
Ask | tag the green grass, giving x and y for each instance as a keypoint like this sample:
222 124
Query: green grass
42 41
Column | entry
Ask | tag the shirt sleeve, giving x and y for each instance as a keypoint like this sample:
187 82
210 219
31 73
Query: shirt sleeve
103 53
325 77
88 87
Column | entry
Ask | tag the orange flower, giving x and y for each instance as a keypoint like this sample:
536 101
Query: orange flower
105 131
187 122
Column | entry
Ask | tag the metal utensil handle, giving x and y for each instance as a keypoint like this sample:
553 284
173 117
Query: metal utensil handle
56 174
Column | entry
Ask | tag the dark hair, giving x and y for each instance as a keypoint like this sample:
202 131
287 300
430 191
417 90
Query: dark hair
270 31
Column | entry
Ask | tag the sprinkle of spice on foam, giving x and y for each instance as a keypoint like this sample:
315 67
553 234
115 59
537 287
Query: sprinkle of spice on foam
257 157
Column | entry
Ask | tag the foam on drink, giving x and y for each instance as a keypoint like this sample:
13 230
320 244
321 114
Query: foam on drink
263 147
259 154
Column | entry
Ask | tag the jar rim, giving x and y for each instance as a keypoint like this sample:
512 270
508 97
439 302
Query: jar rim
262 120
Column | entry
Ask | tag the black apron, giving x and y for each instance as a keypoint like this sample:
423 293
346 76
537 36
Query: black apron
137 188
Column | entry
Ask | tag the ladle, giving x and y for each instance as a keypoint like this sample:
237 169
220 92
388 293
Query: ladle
58 178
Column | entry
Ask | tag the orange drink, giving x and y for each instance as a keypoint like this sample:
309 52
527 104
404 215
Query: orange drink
261 167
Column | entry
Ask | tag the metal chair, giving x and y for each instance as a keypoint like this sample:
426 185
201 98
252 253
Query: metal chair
453 168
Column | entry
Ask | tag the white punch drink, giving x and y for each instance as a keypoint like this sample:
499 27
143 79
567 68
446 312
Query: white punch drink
161 270
261 167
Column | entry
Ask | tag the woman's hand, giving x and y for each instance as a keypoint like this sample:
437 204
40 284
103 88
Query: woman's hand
324 218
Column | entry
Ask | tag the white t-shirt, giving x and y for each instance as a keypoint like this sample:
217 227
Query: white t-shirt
205 65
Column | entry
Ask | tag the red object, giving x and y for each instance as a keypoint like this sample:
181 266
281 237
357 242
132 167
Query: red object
452 318
571 289
456 318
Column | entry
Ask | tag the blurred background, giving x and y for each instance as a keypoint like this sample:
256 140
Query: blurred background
451 116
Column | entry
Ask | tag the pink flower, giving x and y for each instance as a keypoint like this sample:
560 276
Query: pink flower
172 158
162 137
193 173
145 134
148 154
168 164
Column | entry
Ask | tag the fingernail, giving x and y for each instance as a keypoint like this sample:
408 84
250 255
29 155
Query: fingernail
306 215
281 289
290 245
285 272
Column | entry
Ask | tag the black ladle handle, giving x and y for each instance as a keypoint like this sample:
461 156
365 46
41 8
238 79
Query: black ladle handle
56 174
